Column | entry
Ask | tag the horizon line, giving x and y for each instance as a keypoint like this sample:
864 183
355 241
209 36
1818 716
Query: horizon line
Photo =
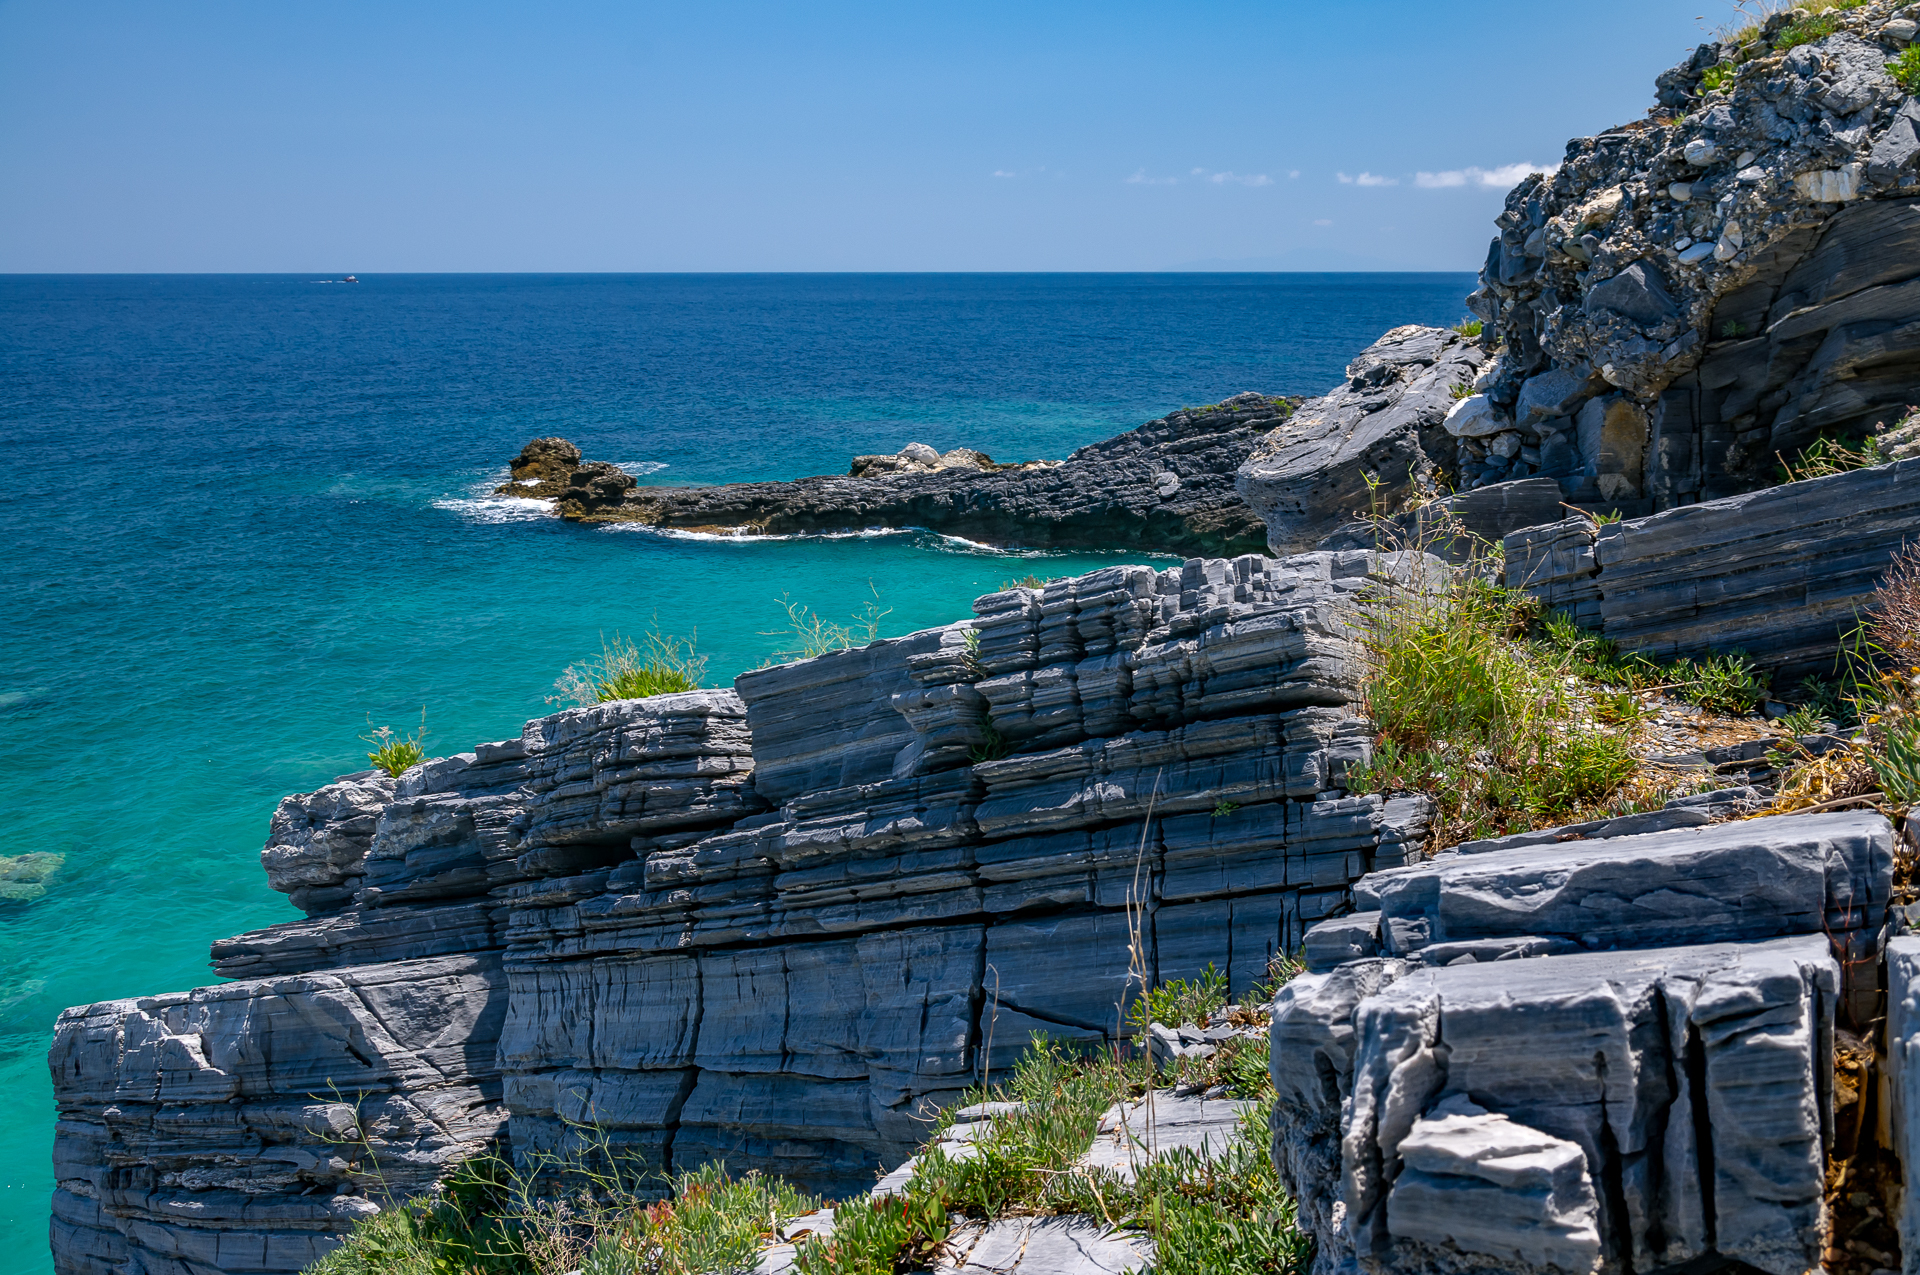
244 274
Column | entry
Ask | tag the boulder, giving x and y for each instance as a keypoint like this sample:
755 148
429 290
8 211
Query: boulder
593 487
546 460
1691 1080
1387 423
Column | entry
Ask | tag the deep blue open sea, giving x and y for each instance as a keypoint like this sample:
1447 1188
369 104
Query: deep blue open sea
246 513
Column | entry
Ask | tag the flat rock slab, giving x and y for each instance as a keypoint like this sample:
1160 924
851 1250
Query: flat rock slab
1044 1246
1133 1133
1757 878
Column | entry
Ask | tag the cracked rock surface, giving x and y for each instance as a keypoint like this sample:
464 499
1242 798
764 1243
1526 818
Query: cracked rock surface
1545 1056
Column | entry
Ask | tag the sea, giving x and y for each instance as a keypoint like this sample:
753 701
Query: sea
249 519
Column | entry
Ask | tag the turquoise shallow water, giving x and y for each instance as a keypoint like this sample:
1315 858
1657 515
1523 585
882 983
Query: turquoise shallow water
248 512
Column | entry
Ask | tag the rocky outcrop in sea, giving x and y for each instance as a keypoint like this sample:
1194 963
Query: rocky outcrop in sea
1166 487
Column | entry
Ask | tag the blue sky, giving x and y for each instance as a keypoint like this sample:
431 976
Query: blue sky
183 135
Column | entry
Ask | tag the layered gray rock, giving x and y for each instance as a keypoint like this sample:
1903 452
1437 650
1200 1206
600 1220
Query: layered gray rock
242 1127
1673 1097
775 925
1759 878
1368 446
1903 1081
1167 486
1666 1106
1782 574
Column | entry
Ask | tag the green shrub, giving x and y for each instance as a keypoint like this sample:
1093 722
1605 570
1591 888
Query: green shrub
392 755
1727 683
1719 76
1179 1001
1492 722
1223 808
714 1223
658 665
1469 327
1806 31
1225 1216
463 1228
1905 69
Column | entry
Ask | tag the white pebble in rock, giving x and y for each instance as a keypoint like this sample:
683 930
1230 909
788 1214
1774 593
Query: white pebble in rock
1700 152
1901 30
1680 192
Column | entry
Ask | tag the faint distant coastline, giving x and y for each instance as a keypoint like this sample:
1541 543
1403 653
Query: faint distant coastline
1301 261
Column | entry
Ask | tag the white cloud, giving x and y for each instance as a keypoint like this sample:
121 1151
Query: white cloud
1293 172
1487 178
1140 178
1368 179
1324 221
1221 179
1001 172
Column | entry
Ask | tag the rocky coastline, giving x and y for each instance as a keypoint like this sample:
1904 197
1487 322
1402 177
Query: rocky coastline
783 922
1165 487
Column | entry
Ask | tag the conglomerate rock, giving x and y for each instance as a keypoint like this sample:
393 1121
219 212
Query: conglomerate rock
1696 293
1167 486
1675 308
774 925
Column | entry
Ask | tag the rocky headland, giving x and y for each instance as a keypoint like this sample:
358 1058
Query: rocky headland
1166 487
782 923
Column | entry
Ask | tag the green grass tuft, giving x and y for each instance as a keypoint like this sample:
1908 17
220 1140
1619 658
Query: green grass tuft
1469 327
1180 1001
391 754
658 664
1826 456
812 634
1806 31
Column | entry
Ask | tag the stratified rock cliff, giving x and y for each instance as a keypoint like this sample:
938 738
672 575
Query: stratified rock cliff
775 924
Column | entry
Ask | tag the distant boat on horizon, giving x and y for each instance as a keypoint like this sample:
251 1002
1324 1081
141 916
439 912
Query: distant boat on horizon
348 279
